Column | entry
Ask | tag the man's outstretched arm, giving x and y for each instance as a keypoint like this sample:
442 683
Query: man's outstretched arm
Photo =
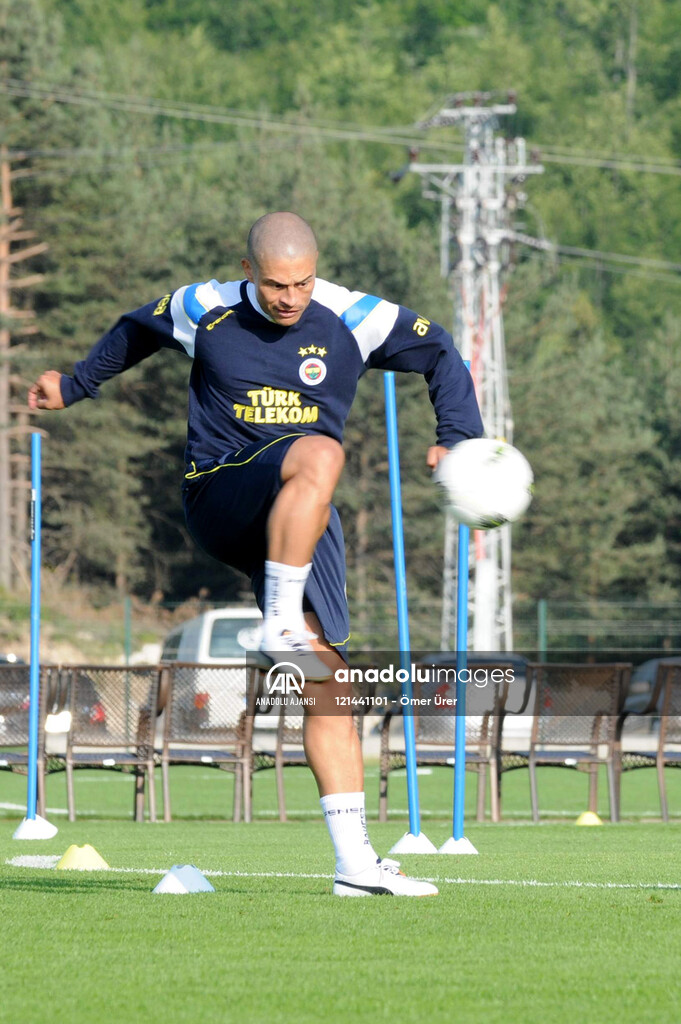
416 345
133 338
168 322
392 337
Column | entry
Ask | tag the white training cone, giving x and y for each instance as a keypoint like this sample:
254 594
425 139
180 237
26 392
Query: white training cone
453 845
35 828
409 843
183 878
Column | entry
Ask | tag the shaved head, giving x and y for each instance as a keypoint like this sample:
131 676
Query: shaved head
281 236
281 263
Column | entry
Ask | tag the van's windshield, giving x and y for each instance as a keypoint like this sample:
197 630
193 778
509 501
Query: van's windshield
229 638
171 646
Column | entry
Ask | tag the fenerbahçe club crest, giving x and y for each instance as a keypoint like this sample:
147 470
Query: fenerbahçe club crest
312 371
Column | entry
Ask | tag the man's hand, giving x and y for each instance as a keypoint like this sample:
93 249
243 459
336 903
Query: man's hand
46 392
436 453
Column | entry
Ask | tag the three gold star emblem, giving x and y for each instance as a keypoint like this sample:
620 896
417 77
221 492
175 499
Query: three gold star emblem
312 350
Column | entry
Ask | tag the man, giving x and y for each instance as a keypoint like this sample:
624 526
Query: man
276 361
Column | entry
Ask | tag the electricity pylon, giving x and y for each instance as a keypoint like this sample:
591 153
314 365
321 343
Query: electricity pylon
479 198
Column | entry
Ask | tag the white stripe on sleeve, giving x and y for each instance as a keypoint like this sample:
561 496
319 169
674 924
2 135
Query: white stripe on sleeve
209 294
215 293
334 296
184 329
373 329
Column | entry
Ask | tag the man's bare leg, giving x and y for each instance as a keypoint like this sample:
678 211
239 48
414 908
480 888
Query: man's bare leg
310 471
332 746
334 753
299 515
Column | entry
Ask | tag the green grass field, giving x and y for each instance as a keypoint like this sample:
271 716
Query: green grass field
551 922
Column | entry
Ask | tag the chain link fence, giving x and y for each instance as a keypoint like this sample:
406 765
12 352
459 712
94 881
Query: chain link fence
584 626
75 629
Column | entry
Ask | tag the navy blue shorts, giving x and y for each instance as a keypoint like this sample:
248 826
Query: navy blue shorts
226 508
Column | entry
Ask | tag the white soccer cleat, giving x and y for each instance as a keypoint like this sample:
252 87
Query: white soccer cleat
294 648
382 879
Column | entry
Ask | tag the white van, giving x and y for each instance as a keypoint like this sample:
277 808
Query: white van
223 637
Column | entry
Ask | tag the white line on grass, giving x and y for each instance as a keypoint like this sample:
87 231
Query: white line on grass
44 862
534 883
22 807
31 861
513 818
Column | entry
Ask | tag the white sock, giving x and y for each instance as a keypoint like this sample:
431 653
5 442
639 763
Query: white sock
284 589
346 822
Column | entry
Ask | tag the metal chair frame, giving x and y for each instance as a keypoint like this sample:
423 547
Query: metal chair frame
577 747
483 745
665 704
16 678
221 745
125 740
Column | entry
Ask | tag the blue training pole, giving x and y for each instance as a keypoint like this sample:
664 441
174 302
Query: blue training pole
34 686
401 593
461 663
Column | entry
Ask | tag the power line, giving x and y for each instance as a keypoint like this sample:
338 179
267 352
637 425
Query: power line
221 116
602 268
212 115
210 112
573 151
68 153
611 164
594 254
49 90
148 157
410 135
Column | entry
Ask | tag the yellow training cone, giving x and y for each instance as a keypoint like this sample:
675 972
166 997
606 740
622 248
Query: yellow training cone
587 818
82 858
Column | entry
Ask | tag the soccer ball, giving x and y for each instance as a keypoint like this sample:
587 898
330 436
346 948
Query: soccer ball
487 482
